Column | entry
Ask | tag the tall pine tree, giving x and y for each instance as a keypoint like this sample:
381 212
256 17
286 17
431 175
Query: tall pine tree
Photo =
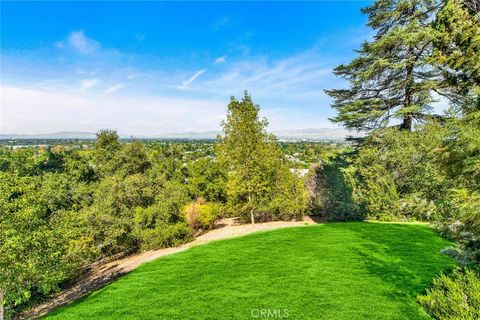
392 80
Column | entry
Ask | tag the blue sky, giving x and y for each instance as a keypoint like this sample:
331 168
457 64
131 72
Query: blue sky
158 67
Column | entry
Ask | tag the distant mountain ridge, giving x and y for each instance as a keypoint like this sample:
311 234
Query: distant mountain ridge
316 134
289 135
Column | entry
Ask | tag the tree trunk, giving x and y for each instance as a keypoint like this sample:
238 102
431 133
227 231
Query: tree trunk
2 293
406 123
408 117
252 217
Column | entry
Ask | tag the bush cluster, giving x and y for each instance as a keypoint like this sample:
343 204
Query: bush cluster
454 296
201 215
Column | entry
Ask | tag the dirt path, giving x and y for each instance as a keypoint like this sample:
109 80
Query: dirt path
101 274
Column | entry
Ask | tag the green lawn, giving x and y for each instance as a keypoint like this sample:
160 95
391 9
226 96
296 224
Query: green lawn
331 271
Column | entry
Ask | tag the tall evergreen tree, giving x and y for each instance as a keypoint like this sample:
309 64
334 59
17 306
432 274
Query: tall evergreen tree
392 79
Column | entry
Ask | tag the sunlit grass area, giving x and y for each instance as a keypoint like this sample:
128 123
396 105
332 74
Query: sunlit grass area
330 271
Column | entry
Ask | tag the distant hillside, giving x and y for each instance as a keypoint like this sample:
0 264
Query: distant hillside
301 134
288 135
206 135
315 134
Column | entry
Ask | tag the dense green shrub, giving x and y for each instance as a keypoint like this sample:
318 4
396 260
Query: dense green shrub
164 235
206 179
161 224
376 190
461 221
394 164
415 207
201 214
403 175
331 185
111 216
461 159
41 242
289 200
454 297
407 175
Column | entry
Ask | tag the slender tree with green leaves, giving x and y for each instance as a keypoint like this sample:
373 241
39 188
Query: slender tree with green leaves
257 173
392 80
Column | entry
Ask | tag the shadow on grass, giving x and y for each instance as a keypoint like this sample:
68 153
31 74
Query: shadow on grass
406 256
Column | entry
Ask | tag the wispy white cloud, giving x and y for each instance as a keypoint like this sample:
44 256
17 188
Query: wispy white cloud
89 83
299 77
114 88
79 42
187 82
83 72
220 60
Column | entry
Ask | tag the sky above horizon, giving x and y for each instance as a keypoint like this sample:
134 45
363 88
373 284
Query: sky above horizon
160 67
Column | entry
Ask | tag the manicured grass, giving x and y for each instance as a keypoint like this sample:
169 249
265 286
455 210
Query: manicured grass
332 271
